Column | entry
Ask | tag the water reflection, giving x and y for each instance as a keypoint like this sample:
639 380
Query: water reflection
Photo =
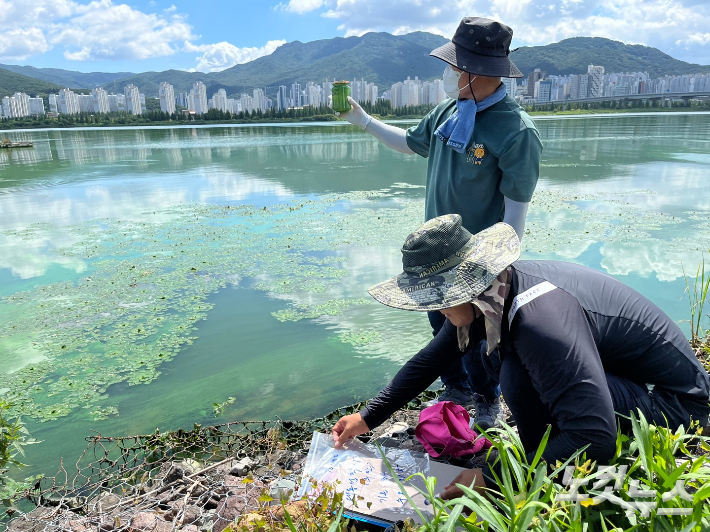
622 194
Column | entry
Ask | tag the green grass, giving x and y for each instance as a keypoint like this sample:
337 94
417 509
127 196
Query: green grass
655 472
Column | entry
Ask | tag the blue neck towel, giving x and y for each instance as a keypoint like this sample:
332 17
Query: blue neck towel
458 128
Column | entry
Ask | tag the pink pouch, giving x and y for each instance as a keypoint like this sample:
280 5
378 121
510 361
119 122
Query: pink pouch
445 426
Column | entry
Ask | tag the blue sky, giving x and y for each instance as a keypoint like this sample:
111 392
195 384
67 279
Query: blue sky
111 36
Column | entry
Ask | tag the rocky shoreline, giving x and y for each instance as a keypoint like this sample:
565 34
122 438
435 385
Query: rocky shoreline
187 496
191 496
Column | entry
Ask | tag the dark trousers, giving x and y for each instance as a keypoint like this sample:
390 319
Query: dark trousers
532 416
476 372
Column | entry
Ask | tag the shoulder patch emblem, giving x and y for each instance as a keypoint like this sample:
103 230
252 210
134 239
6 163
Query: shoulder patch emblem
476 153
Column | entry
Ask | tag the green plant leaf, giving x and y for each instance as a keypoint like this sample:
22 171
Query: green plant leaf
422 517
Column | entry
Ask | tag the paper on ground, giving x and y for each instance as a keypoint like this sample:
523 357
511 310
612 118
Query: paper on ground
360 473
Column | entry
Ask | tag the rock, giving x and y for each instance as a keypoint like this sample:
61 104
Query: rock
102 504
239 470
262 471
242 467
30 522
296 510
149 522
191 466
75 503
174 472
246 499
185 514
281 457
400 430
188 528
250 519
248 461
281 489
80 525
231 482
107 526
207 520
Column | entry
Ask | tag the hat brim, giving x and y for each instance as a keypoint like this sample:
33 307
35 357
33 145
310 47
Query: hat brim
477 64
485 255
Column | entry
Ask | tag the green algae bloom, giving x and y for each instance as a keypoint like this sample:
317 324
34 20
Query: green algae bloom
143 286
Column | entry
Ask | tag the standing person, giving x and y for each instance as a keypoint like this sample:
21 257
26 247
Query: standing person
484 160
580 350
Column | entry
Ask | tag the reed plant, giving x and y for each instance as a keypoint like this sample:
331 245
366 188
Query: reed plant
654 483
697 290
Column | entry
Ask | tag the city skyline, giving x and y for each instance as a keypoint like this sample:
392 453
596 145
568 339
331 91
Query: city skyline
536 88
109 36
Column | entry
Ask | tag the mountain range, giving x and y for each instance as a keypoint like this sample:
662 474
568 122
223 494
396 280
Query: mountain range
11 82
68 78
381 58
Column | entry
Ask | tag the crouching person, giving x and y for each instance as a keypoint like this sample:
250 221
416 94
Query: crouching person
579 350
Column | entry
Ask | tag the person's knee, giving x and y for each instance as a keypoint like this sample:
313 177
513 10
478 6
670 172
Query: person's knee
600 447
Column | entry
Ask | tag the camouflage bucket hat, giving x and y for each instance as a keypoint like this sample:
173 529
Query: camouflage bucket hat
444 265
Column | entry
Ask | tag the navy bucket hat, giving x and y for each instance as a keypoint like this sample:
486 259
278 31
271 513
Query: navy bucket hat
481 47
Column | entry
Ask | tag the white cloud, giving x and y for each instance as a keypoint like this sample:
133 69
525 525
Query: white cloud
216 57
301 6
19 44
100 29
105 30
677 27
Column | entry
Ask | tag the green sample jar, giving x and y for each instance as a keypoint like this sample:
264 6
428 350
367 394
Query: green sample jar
340 92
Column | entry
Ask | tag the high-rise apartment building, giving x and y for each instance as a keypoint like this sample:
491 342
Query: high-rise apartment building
133 99
16 106
199 100
282 99
116 103
326 94
219 100
533 77
53 104
258 100
358 90
68 103
86 103
166 93
543 90
247 103
510 86
181 99
100 100
371 93
410 91
396 95
296 100
313 95
36 106
596 81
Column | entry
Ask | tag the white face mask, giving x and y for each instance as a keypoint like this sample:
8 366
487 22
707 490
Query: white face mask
451 82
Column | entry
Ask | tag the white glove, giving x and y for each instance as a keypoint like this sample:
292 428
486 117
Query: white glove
391 136
356 115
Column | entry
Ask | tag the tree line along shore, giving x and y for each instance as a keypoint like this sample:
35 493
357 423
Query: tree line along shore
382 110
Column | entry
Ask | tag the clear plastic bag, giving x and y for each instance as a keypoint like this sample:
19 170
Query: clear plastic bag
360 473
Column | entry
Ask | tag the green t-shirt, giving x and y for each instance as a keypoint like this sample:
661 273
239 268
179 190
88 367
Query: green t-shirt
503 160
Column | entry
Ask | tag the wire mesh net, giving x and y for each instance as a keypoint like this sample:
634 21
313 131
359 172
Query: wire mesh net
197 480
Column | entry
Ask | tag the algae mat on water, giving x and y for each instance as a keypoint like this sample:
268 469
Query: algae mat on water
145 285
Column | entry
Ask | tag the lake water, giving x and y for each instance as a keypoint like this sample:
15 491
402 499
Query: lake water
148 273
